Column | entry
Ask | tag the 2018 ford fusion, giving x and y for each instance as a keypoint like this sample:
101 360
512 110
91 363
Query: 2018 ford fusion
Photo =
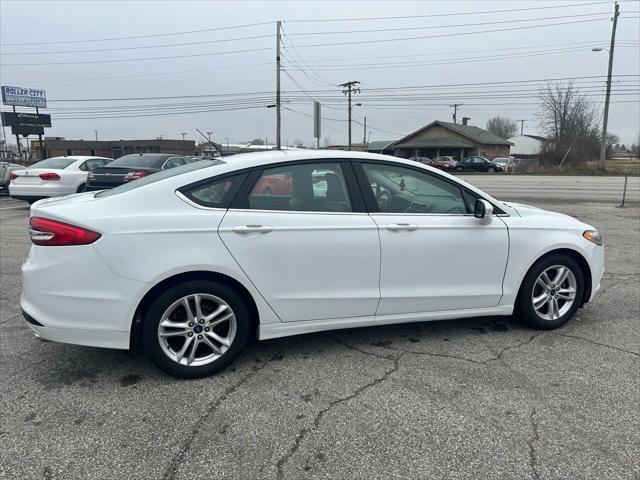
193 261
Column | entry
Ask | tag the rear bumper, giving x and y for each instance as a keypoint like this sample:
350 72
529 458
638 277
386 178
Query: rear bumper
72 296
95 188
29 192
77 336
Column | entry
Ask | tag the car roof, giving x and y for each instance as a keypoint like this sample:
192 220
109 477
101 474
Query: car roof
79 157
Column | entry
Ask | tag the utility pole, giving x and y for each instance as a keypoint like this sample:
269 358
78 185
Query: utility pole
605 118
96 132
522 125
278 120
209 136
364 136
184 134
455 111
351 87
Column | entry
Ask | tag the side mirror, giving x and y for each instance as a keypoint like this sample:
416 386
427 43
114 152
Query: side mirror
484 211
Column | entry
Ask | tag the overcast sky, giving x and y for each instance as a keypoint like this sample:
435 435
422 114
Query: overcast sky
507 50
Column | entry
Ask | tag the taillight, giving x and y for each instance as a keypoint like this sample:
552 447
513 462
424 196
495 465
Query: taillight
92 176
133 176
48 232
49 176
12 176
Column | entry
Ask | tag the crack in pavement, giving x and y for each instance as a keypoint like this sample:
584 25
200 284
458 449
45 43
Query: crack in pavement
318 418
172 469
598 343
357 349
533 458
521 344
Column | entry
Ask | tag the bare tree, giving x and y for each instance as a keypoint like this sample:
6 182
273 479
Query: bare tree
502 127
571 121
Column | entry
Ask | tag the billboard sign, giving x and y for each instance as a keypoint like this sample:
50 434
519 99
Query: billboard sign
16 119
27 130
24 97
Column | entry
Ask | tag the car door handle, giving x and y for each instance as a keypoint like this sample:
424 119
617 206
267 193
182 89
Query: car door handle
395 227
242 229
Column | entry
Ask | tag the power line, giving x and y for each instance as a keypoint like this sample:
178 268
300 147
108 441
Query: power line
448 14
137 59
374 66
142 36
450 34
140 47
448 52
423 27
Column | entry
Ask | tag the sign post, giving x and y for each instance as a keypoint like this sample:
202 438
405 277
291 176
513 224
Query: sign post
316 123
25 123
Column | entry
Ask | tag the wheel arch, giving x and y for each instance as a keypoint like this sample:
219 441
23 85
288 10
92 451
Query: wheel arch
147 299
578 258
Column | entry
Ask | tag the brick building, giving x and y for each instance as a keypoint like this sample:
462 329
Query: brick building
112 148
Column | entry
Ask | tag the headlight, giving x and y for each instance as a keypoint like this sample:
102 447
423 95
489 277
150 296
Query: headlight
593 236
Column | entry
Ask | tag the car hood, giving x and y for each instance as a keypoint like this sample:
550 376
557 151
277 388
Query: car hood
531 211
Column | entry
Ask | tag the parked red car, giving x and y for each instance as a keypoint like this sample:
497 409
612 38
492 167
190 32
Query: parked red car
273 185
435 163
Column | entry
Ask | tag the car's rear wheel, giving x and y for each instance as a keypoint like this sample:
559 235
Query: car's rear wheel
196 329
551 292
81 188
491 170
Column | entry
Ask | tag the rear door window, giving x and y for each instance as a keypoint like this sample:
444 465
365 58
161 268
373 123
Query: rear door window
309 187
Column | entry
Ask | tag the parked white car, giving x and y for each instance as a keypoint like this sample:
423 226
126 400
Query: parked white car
53 177
195 260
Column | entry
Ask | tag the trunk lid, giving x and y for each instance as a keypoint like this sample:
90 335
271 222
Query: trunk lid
108 177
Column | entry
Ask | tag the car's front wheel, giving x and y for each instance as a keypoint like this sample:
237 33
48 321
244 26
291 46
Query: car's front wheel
196 329
551 292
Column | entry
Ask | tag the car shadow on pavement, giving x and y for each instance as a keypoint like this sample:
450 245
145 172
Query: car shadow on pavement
60 365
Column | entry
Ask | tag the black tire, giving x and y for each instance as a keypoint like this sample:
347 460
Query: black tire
81 188
459 169
524 309
165 300
491 170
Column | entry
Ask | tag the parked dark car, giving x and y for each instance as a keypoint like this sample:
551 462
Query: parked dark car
132 167
478 164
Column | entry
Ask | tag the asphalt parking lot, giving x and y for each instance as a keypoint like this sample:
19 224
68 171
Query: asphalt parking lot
479 398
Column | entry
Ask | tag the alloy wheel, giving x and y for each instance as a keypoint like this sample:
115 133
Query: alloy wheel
197 329
554 292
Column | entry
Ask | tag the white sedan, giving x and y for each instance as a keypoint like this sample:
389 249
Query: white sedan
193 261
53 177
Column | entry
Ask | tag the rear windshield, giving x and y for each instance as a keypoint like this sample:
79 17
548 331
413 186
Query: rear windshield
139 161
125 187
54 162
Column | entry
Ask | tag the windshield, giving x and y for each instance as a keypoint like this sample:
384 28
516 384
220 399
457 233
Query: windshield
138 160
158 176
59 163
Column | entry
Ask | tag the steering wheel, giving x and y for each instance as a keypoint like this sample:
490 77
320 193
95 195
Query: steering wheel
384 200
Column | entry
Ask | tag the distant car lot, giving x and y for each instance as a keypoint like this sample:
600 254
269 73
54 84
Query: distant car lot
465 399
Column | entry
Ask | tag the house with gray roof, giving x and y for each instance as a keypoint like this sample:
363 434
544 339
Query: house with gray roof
450 139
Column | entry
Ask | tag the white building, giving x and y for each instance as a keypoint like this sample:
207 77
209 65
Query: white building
527 145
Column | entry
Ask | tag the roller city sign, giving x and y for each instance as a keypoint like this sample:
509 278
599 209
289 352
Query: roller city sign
24 97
